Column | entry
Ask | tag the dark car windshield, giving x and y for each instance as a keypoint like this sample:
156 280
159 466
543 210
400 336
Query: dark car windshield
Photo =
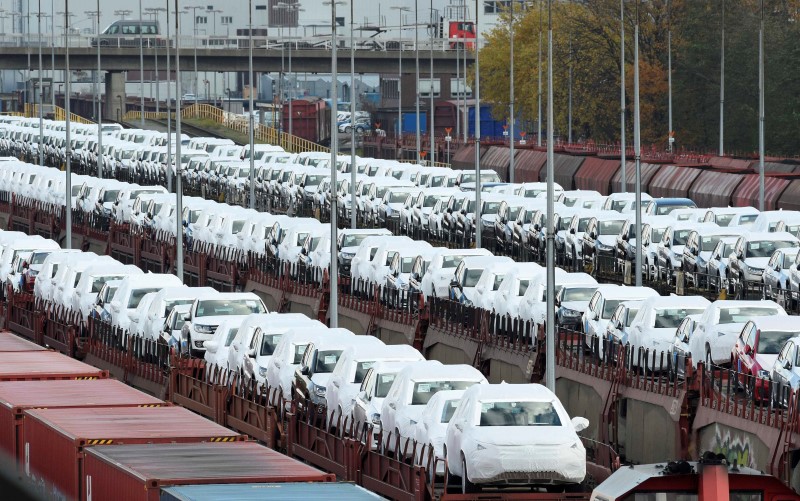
518 414
326 361
223 307
138 294
771 342
268 344
741 314
448 409
578 293
611 227
471 277
424 390
765 248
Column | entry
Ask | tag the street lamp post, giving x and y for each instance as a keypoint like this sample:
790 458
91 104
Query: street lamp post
68 208
512 116
761 107
194 9
353 215
550 334
400 11
178 183
333 309
141 67
622 160
431 128
99 101
539 90
416 85
41 92
154 12
722 85
478 220
169 110
251 120
637 149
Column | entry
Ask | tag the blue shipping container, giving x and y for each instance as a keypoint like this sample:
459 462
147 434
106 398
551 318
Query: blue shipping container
489 126
410 123
273 492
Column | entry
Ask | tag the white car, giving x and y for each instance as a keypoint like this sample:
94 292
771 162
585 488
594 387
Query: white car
132 290
513 288
440 272
468 273
619 323
218 346
715 334
653 329
489 283
432 426
514 434
412 389
360 265
604 302
92 280
346 378
624 202
67 276
208 312
347 245
670 250
257 339
731 216
173 325
778 271
43 286
22 245
166 299
135 326
286 358
573 294
373 390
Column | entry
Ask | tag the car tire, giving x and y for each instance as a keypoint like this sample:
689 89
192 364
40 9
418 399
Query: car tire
467 487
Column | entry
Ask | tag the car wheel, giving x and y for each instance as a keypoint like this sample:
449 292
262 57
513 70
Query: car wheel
467 487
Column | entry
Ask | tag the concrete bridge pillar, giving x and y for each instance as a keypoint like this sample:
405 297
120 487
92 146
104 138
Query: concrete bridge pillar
115 95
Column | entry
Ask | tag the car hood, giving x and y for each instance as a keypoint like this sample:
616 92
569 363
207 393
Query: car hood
211 320
658 338
321 379
575 305
517 435
608 240
757 262
766 361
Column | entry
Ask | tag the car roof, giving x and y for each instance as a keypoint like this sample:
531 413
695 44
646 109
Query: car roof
372 350
674 301
781 323
527 391
622 291
779 235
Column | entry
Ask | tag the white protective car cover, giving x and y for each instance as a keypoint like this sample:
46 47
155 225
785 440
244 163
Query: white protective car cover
527 453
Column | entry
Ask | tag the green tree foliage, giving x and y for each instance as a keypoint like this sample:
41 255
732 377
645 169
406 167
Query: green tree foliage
592 29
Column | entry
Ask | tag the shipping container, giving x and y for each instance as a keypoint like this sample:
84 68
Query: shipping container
311 119
730 163
38 365
18 396
648 170
714 189
777 167
12 342
139 472
54 440
329 491
527 164
490 127
564 169
596 174
410 122
790 198
447 112
498 159
672 181
747 191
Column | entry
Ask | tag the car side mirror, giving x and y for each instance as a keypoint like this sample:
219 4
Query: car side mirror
464 211
304 370
362 395
304 251
572 230
580 424
625 238
211 346
595 315
667 245
747 349
787 365
732 256
455 284
593 235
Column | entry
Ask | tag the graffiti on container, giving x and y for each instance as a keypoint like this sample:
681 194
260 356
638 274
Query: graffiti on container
735 447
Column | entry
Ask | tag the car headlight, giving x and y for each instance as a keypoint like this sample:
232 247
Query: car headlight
204 329
754 271
262 371
375 418
566 312
603 247
319 391
347 256
763 374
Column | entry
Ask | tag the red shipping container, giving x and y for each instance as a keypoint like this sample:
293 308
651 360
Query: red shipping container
12 342
138 472
54 439
18 396
41 365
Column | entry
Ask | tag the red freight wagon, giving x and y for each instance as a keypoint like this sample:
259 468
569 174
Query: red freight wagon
12 342
18 396
138 472
40 365
311 119
54 440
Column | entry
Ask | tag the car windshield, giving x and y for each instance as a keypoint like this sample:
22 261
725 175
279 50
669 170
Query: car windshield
611 227
313 180
268 344
656 234
471 277
326 361
424 390
631 315
231 334
707 244
397 197
670 318
490 208
299 351
171 303
430 201
38 257
578 293
110 195
532 193
618 205
353 240
583 223
725 250
362 368
765 248
498 281
741 314
663 210
519 414
679 237
138 294
747 219
451 261
563 222
771 342
724 219
384 383
407 263
98 282
448 409
223 307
